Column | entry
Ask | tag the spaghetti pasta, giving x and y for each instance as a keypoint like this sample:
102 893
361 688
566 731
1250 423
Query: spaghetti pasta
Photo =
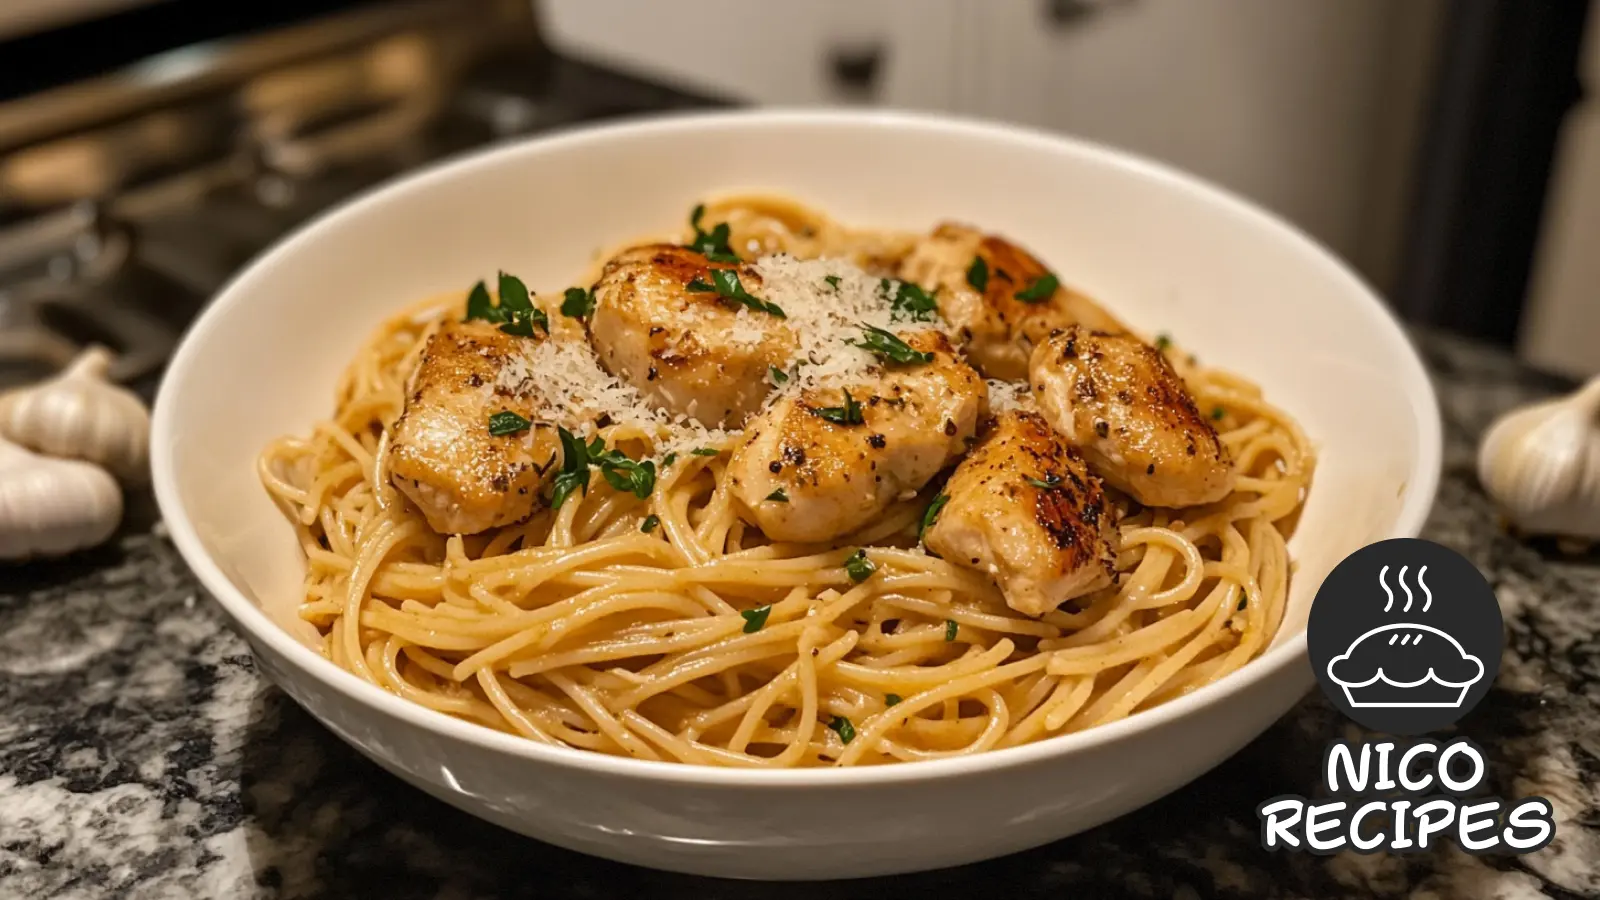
666 628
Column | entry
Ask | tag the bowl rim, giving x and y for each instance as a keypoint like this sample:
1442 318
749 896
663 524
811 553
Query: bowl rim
1422 482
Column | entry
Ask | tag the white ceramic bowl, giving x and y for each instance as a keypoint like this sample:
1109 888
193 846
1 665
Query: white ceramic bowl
1166 252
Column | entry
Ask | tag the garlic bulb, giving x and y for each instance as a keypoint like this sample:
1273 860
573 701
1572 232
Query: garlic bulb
1541 464
80 414
49 507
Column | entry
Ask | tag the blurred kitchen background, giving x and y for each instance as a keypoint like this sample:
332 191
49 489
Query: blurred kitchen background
148 148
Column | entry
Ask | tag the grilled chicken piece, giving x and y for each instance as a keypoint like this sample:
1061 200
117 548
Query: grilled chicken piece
1025 508
1116 399
690 351
441 454
998 329
836 478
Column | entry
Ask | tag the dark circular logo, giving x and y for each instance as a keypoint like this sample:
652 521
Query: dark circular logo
1405 636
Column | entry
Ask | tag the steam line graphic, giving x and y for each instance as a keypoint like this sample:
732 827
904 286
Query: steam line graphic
1427 601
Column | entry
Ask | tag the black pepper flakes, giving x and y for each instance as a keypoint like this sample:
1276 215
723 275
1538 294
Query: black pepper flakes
774 467
1102 428
878 441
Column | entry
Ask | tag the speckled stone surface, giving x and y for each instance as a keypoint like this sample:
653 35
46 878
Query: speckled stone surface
142 756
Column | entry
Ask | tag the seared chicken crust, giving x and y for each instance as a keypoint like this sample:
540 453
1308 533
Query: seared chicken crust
997 329
686 348
1025 508
835 478
441 454
1118 400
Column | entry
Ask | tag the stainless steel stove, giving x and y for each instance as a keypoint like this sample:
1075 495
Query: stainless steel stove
129 195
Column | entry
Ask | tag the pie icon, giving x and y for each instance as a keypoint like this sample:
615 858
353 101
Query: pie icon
1405 665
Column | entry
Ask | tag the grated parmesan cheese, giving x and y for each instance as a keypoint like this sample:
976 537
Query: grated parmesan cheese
1005 396
568 387
828 317
562 377
746 331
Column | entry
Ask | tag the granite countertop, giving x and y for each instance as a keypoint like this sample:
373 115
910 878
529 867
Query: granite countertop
142 755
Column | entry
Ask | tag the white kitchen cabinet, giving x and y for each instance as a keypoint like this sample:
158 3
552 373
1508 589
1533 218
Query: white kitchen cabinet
1561 322
771 52
1310 107
1299 105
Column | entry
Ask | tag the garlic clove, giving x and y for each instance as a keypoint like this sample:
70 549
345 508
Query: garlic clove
1541 465
50 507
81 414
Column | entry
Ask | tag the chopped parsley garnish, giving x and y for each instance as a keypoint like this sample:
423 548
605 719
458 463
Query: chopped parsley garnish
516 313
507 422
574 474
727 286
978 274
1217 413
669 459
624 474
778 496
1048 483
1042 289
892 699
846 731
912 302
890 348
950 629
833 281
755 619
932 513
859 567
480 306
523 325
517 305
650 522
577 303
712 244
706 451
779 376
848 414
1163 341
